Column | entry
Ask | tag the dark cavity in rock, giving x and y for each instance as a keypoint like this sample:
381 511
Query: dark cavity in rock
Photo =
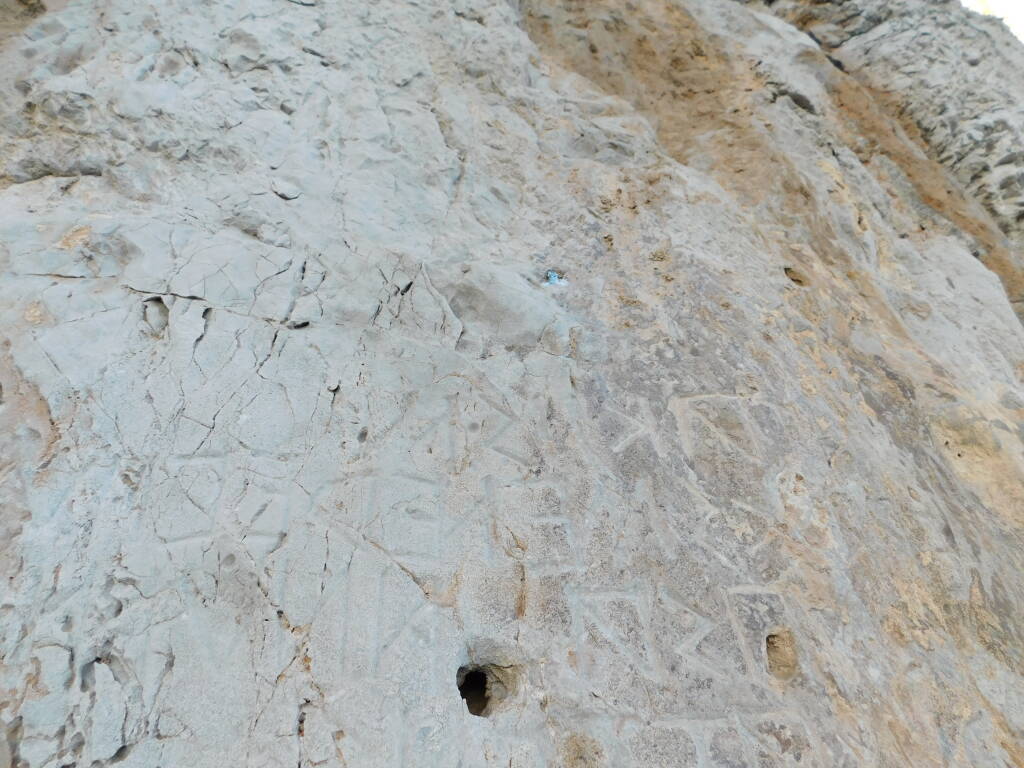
473 689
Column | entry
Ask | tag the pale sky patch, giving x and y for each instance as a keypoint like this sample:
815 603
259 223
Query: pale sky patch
1011 11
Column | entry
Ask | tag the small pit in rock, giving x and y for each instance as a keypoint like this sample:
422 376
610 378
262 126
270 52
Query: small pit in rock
473 689
780 650
156 314
484 687
796 276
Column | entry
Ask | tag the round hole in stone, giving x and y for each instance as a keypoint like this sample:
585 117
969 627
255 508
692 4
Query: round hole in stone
485 686
473 685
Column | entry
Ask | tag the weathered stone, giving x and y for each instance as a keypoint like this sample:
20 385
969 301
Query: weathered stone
512 383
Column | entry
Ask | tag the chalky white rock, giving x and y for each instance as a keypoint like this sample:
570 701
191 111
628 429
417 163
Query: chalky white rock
511 383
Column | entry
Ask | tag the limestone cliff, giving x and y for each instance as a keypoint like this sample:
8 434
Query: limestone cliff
513 383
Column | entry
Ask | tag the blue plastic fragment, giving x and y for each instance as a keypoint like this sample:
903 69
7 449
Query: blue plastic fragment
553 278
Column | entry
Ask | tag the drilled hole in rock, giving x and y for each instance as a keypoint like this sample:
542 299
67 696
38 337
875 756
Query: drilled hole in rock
485 686
473 689
796 276
780 650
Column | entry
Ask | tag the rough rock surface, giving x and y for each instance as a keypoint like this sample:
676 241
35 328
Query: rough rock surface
952 78
653 361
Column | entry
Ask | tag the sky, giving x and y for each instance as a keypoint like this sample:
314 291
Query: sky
1011 11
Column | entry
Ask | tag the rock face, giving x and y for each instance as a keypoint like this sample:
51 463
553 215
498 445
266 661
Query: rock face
644 372
951 77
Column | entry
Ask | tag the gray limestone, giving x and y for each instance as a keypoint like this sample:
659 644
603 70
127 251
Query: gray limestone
648 368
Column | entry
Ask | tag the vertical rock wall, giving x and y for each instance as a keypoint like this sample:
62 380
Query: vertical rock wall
519 384
951 77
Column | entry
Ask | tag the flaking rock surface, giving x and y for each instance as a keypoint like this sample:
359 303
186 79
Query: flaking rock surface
658 358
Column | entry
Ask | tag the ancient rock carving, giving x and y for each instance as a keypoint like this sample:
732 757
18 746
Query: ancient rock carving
512 383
